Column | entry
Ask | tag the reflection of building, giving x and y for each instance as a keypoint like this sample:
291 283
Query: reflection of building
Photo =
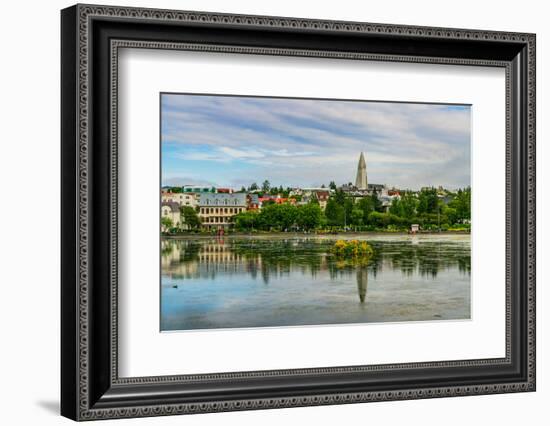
172 254
170 210
217 210
218 253
362 282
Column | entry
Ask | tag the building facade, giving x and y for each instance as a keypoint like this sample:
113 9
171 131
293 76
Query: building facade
170 210
216 211
322 198
183 199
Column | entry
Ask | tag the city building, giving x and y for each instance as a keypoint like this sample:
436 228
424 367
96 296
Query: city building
216 210
252 201
277 199
170 210
224 190
362 188
198 189
322 197
378 187
182 198
386 201
361 178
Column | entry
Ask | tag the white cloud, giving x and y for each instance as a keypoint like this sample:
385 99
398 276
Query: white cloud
319 139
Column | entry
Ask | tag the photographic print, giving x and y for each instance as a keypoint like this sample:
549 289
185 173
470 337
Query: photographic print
299 212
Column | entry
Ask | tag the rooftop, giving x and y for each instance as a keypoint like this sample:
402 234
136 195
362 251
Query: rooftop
223 199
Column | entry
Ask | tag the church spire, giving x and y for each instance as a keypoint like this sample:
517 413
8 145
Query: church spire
361 179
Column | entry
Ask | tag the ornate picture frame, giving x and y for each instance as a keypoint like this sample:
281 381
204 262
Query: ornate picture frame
91 37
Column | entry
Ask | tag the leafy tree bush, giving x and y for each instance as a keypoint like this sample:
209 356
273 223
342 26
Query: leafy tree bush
190 217
309 216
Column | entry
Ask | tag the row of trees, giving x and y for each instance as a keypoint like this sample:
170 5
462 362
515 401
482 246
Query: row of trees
281 217
342 211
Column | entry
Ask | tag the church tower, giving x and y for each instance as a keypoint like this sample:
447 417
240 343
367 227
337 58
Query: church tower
361 179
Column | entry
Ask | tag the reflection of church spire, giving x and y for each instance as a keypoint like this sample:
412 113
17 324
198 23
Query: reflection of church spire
362 281
361 179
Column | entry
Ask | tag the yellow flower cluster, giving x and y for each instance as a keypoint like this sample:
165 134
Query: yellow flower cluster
352 249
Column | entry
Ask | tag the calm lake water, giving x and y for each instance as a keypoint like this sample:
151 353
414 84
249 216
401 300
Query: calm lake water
263 281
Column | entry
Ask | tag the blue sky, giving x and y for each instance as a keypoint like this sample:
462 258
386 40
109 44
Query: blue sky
234 141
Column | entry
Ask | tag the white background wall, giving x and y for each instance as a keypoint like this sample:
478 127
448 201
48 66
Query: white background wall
29 187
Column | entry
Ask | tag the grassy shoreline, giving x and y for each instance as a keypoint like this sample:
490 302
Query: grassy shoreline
301 234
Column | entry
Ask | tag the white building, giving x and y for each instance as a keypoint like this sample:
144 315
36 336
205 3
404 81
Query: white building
182 198
170 210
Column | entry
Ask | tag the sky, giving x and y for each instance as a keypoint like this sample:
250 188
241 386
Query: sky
232 141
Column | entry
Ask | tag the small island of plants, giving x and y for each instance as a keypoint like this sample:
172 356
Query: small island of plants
352 249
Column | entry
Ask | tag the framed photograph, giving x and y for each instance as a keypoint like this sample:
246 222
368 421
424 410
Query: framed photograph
263 212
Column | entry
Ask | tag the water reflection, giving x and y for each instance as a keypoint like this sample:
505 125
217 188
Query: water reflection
362 281
193 259
203 278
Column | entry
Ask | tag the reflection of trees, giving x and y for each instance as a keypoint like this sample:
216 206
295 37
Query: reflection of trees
279 257
426 258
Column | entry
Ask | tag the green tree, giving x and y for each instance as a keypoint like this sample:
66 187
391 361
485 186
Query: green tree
266 186
190 217
286 216
332 185
462 204
268 216
367 206
408 205
348 209
246 220
451 214
376 203
339 196
428 202
334 213
396 207
253 187
175 189
166 222
309 216
357 216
